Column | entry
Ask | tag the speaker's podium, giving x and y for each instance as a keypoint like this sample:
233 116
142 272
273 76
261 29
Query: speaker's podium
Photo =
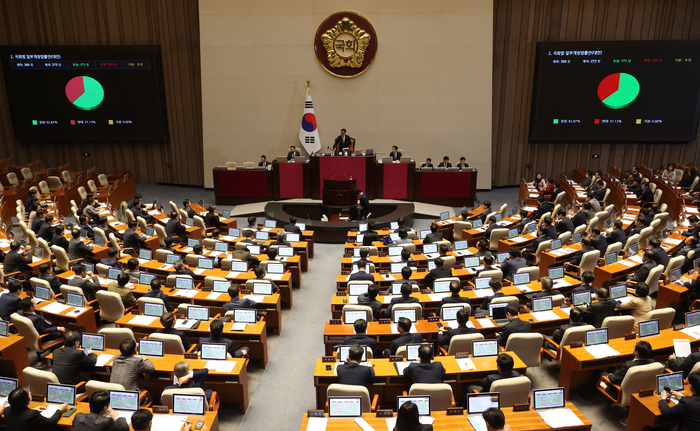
339 193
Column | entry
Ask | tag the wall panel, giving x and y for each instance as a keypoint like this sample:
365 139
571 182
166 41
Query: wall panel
518 25
172 24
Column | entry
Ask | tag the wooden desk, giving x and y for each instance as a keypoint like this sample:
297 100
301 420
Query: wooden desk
13 357
671 295
83 322
388 383
519 421
645 412
550 259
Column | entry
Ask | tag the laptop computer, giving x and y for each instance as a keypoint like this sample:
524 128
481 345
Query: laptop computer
275 268
676 274
610 258
576 238
422 234
99 241
431 265
74 300
153 309
484 348
362 227
3 328
349 316
555 244
95 342
189 222
521 278
344 350
262 288
220 246
150 231
461 247
42 292
191 242
151 347
397 267
394 236
476 224
271 224
480 402
422 402
395 251
357 289
549 399
214 351
580 298
608 223
285 251
253 249
617 292
441 286
113 273
556 274
262 236
412 352
410 314
394 225
648 328
245 315
396 288
444 215
692 318
190 405
344 407
125 403
542 304
197 313
482 282
673 381
450 312
145 278
205 263
497 312
59 394
597 336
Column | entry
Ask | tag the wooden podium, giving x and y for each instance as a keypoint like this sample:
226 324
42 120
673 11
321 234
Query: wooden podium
339 193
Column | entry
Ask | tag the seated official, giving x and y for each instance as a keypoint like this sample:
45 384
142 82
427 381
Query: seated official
176 230
252 223
496 286
187 379
482 247
18 260
403 237
454 298
585 248
488 265
595 204
211 219
168 320
406 273
405 336
70 360
18 415
352 373
618 234
587 278
543 208
425 370
600 194
440 271
547 191
395 153
596 312
111 260
361 273
281 240
131 268
181 269
514 326
427 164
101 416
10 301
557 190
260 273
38 221
575 316
598 241
249 236
462 163
41 324
369 299
370 235
638 227
564 224
188 208
406 257
513 263
155 292
549 228
127 367
46 230
684 364
691 244
236 301
588 210
445 163
263 162
687 411
32 202
661 255
58 239
293 152
292 226
142 420
647 196
532 248
694 226
361 338
132 239
405 298
119 286
433 236
169 245
579 217
86 281
407 419
643 355
486 205
446 334
217 329
640 304
76 248
495 420
504 366
84 225
524 220
547 288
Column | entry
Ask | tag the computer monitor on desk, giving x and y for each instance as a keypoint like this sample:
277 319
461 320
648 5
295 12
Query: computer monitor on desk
442 286
482 282
430 248
345 407
344 350
409 313
542 304
349 316
190 405
521 278
648 328
581 298
674 381
412 352
549 399
484 348
692 318
214 351
597 336
480 402
357 289
617 292
450 312
422 402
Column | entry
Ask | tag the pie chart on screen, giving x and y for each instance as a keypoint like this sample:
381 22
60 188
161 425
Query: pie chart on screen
618 90
85 93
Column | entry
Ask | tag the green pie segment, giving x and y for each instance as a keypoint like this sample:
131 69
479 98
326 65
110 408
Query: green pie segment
84 92
618 90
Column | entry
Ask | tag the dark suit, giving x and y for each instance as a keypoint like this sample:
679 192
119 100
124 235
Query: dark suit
211 220
511 266
598 311
646 197
199 378
229 345
400 300
15 262
95 422
484 215
159 294
545 207
190 212
522 224
292 228
265 164
175 229
36 224
532 248
69 362
559 333
546 293
445 337
554 195
643 271
600 244
487 381
635 231
78 250
134 240
600 195
576 260
239 303
362 340
291 155
42 325
585 288
31 204
438 272
88 229
432 237
462 165
45 232
579 218
617 235
453 300
88 285
661 256
370 236
402 340
375 305
686 412
426 165
342 143
53 281
687 182
361 275
111 262
60 241
180 334
485 305
694 231
567 224
425 372
445 165
9 303
30 419
619 374
515 326
552 232
352 373
365 207
396 156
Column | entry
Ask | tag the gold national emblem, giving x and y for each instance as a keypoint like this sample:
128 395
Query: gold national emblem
345 44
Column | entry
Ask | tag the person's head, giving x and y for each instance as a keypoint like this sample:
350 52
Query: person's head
445 159
72 339
132 224
370 225
433 227
495 285
514 252
404 324
181 369
141 420
178 265
99 401
373 291
488 260
197 249
355 353
547 283
601 293
462 317
252 220
15 287
462 159
576 314
79 270
428 160
59 229
263 158
482 245
487 204
455 287
643 350
547 220
259 271
40 213
550 180
406 289
361 264
649 254
127 347
407 418
595 231
360 326
494 418
406 272
358 193
439 262
587 206
540 199
32 192
248 233
691 241
591 196
48 219
215 233
216 328
403 233
405 254
694 382
598 175
394 148
600 184
342 131
19 398
425 352
272 253
168 243
637 182
292 221
26 305
640 221
465 213
670 168
173 215
132 264
123 279
693 171
511 312
641 290
504 362
155 284
75 233
576 206
538 176
167 320
233 291
364 252
693 219
292 148
82 219
645 185
585 241
523 214
618 224
561 213
557 184
654 243
588 277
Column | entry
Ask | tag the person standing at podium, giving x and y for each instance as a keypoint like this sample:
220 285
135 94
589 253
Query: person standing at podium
342 142
292 153
395 154
363 206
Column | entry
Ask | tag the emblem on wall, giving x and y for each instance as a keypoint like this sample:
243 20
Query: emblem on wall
345 44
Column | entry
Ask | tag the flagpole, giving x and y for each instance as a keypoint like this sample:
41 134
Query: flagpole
308 86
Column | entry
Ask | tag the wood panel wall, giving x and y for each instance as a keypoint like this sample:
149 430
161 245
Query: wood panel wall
172 24
519 25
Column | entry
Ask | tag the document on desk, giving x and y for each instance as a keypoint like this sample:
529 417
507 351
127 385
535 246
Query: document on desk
233 274
55 308
627 263
561 283
256 298
486 323
477 422
692 331
387 298
352 299
103 359
142 320
199 271
214 295
220 366
466 364
528 208
625 300
600 351
560 418
395 329
389 277
186 250
180 324
637 259
541 316
167 422
363 424
50 410
238 326
186 293
483 293
534 195
274 277
672 241
681 347
518 239
435 297
317 424
691 210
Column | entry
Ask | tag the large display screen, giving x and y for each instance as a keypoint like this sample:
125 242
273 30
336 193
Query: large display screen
64 93
616 91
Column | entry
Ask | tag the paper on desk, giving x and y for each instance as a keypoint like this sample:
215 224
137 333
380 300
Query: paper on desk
233 274
486 323
238 326
637 259
387 299
274 277
426 420
50 410
199 271
681 347
352 299
438 296
36 259
560 418
103 281
167 422
142 320
220 366
126 414
693 332
541 316
625 300
391 423
363 424
214 295
187 293
529 208
566 310
691 210
561 283
389 277
256 298
317 424
55 308
525 289
672 241
477 422
519 239
180 324
103 359
466 364
401 367
533 195
483 293
395 329
395 259
600 351
627 263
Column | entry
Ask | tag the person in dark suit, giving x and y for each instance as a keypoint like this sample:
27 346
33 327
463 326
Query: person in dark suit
58 239
547 291
524 220
406 273
292 226
70 360
46 230
488 265
405 298
111 259
445 163
237 302
596 312
643 355
687 411
496 286
638 226
647 195
433 236
585 248
217 328
635 187
293 152
454 298
370 235
264 162
281 241
532 248
38 220
427 164
76 248
19 416
41 324
188 208
46 273
564 224
543 208
445 335
425 370
661 255
617 235
407 418
405 336
168 320
101 416
369 299
575 316
181 269
549 228
514 325
342 142
84 225
688 181
440 271
18 260
587 277
175 229
395 154
557 190
132 239
462 163
32 203
514 262
212 218
155 292
9 302
361 273
352 373
579 217
187 379
598 241
685 364
127 367
363 206
361 338
504 366
486 205
600 192
694 227
86 281
642 273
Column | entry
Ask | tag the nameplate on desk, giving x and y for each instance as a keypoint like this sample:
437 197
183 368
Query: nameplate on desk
630 336
576 344
385 293
433 319
455 411
417 253
315 413
426 291
206 289
381 254
480 316
521 407
384 321
38 398
459 266
225 319
336 322
396 358
245 292
646 393
347 255
160 409
191 356
168 285
345 272
523 311
341 293
468 287
328 359
461 355
422 269
384 271
385 413
136 312
179 316
678 327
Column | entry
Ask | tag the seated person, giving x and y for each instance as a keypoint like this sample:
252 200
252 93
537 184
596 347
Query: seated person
41 324
119 286
58 239
127 367
547 290
687 411
111 259
292 226
403 237
168 245
585 248
440 271
661 255
618 234
352 373
427 164
369 299
564 224
370 235
405 298
579 217
524 220
176 230
211 219
237 302
684 364
217 329
638 226
155 292
10 300
575 316
598 241
188 208
514 325
504 366
101 416
587 277
131 268
407 418
513 263
361 338
84 225
70 360
405 337
433 236
643 355
425 370
19 416
454 298
483 248
76 248
596 312
361 273
190 379
168 320
445 334
496 286
462 163
86 281
543 207
640 304
281 239
181 269
532 248
488 265
406 273
406 257
260 273
487 211
252 223
445 163
46 273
